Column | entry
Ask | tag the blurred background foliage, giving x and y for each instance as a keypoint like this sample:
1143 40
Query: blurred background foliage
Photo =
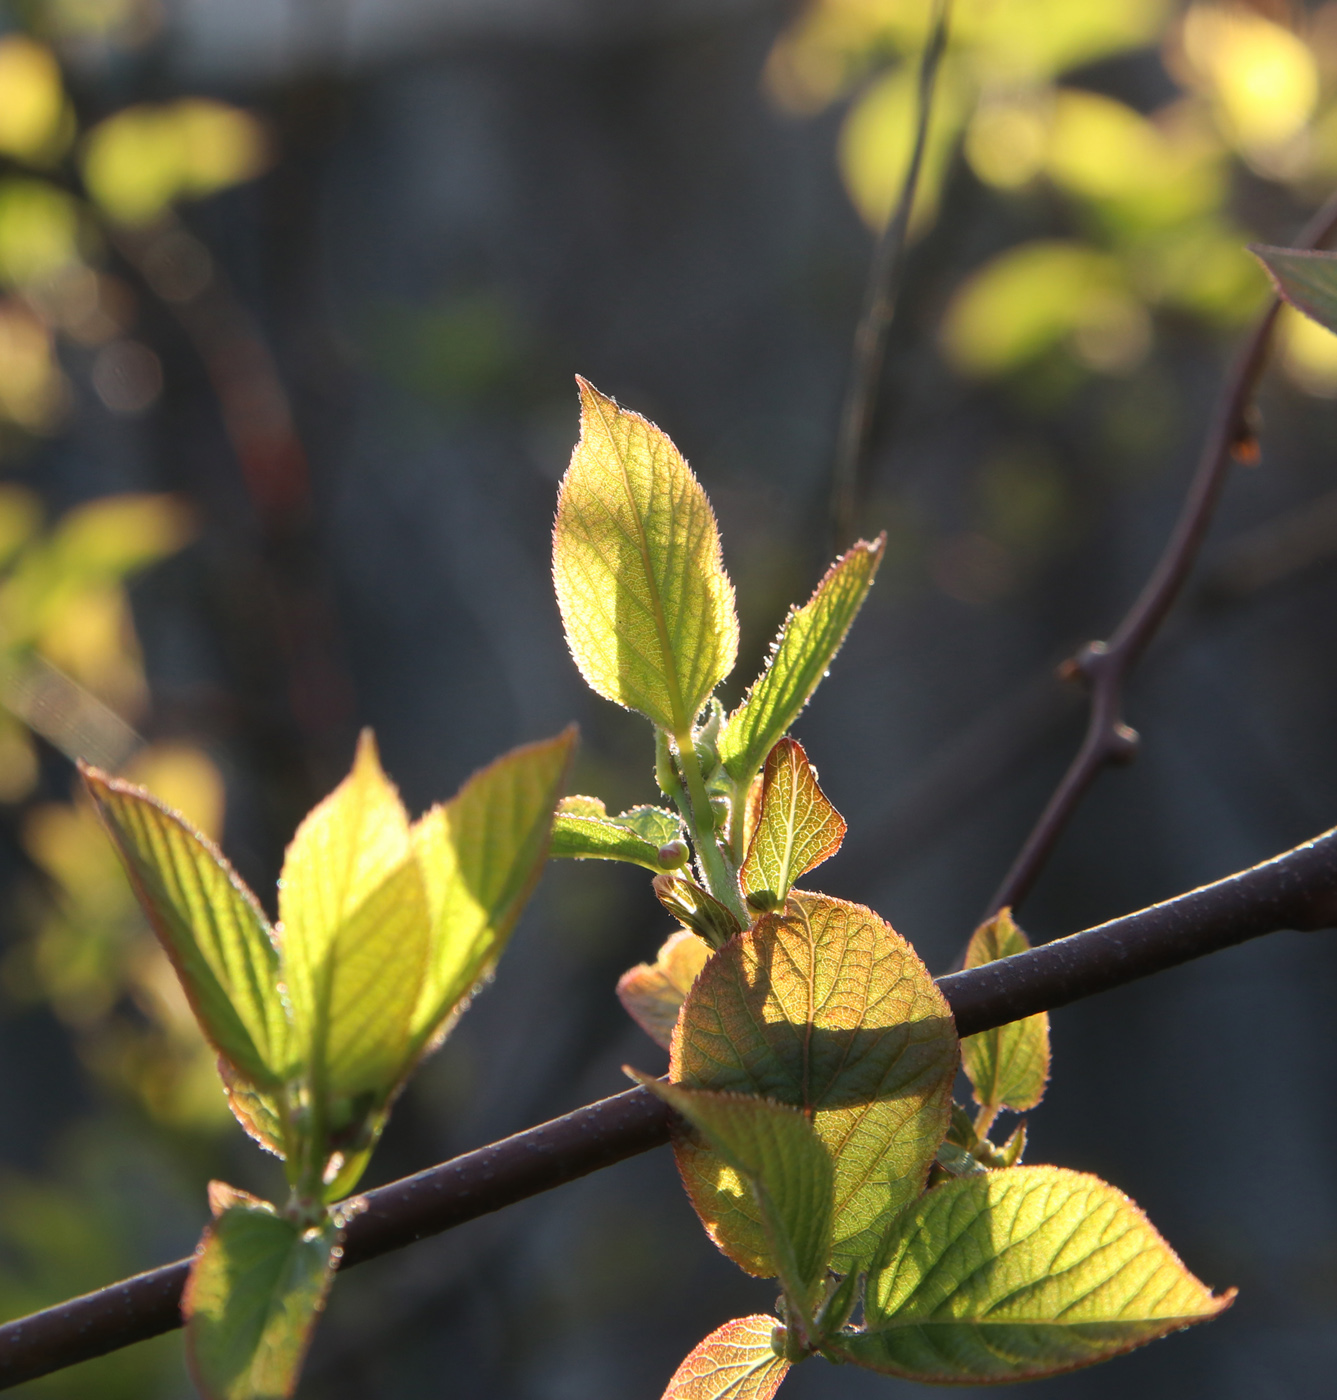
291 294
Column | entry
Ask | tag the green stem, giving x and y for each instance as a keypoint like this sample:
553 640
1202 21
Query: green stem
720 880
984 1121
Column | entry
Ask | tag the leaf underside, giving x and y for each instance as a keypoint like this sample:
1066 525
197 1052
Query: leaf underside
797 829
736 1362
653 993
1306 279
826 1008
693 906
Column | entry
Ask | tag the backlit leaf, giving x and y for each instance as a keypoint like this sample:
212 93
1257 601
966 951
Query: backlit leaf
209 923
653 993
1017 1274
736 1362
647 606
797 830
584 831
257 1286
826 1008
799 658
1308 280
1009 1065
693 906
480 855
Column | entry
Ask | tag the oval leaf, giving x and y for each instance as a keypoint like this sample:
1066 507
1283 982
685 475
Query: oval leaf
693 906
1306 279
1018 1274
653 993
582 830
210 924
826 1008
647 606
799 658
797 829
1008 1066
736 1362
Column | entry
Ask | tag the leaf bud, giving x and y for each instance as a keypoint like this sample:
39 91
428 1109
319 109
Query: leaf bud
672 854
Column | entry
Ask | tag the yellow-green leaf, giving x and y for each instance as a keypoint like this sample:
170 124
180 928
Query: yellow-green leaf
1009 1065
736 1362
647 606
799 658
1306 279
582 830
780 1166
797 830
257 1285
1018 1274
826 1008
209 923
653 993
693 906
480 855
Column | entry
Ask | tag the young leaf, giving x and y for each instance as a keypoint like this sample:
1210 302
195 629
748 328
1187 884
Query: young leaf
774 1154
1306 279
1017 1274
1009 1065
691 905
736 1362
256 1288
826 1008
797 829
647 606
355 932
582 830
480 855
808 641
209 923
653 993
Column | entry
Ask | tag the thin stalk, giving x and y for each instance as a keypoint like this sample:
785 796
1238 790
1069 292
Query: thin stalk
721 881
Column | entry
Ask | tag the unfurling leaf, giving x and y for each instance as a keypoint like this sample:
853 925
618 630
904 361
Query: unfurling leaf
1306 279
653 993
257 1285
691 905
647 606
1018 1274
1009 1065
808 641
736 1362
826 1008
646 836
210 925
481 855
781 1167
798 827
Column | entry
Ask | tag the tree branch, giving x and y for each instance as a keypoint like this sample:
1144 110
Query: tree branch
1106 666
1295 890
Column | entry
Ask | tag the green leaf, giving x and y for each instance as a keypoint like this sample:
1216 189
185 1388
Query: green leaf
1009 1065
647 606
210 924
736 1362
582 830
355 937
775 1157
1306 279
257 1286
693 906
481 854
798 827
826 1008
259 1113
653 993
1018 1274
799 658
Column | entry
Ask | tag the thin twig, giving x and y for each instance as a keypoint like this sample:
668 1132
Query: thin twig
1105 666
884 277
1295 890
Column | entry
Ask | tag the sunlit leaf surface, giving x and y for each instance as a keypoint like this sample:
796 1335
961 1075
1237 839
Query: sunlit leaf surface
653 993
736 1362
1008 1065
584 831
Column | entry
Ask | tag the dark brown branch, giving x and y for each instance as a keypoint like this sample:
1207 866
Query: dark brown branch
1106 666
1295 890
884 275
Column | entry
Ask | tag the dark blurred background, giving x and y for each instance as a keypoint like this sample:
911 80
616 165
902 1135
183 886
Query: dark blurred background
292 293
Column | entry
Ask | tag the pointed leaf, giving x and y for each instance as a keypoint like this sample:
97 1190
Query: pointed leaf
259 1113
736 1362
776 1157
1306 279
647 606
481 854
826 1008
1018 1274
653 993
257 1286
691 905
807 643
209 923
582 830
1009 1065
797 830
